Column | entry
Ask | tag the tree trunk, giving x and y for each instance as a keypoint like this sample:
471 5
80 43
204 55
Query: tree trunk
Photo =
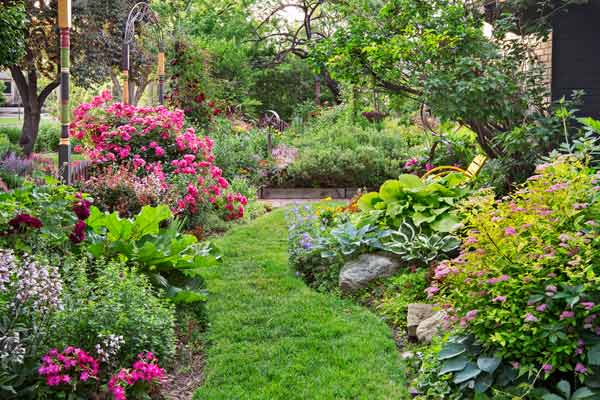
332 85
32 104
31 126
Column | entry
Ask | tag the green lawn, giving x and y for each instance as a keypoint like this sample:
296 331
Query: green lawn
271 337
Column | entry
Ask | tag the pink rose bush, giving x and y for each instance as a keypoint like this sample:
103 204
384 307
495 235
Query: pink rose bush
526 282
68 368
152 141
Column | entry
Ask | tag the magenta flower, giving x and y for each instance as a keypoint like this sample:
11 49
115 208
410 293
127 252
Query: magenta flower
470 316
431 291
542 307
510 231
580 368
547 367
502 278
588 305
566 315
25 220
499 299
530 318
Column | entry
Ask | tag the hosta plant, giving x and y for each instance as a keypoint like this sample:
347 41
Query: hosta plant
430 206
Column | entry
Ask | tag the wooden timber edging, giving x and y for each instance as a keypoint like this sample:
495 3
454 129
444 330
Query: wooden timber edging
306 193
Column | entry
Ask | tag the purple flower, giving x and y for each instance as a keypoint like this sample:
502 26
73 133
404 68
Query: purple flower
558 186
580 368
470 316
542 307
566 314
530 318
510 231
515 364
493 281
547 367
24 220
431 291
78 234
499 299
588 305
551 290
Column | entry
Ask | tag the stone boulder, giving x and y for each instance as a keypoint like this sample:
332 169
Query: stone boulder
417 313
357 274
432 326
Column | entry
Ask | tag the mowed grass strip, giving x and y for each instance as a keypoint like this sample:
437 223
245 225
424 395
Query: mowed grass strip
271 337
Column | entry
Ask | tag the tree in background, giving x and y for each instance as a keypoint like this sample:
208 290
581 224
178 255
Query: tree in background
96 42
436 52
12 38
295 28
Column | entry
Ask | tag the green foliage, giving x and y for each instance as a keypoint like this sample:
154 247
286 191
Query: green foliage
52 203
172 260
12 40
7 146
430 206
109 298
48 137
240 152
525 283
413 246
390 297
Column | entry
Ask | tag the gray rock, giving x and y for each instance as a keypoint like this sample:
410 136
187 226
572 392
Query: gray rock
357 274
417 313
432 326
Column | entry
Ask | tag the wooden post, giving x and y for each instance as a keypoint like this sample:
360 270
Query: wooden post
125 68
161 73
64 148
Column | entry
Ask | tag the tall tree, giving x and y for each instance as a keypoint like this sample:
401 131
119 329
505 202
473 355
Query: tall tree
295 27
12 25
437 53
96 49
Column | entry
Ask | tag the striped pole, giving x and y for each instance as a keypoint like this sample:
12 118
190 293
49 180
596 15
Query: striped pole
125 67
161 73
64 148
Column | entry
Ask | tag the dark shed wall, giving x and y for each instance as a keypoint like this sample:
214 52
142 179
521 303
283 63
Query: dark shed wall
576 55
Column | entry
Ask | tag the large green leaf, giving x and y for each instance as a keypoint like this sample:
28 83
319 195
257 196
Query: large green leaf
594 355
488 364
409 181
471 371
451 350
447 223
391 191
582 393
147 222
483 382
367 202
454 364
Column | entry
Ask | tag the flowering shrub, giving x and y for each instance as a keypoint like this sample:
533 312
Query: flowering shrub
152 141
120 189
30 292
526 282
144 377
72 367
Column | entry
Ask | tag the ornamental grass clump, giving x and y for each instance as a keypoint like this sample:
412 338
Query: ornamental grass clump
527 282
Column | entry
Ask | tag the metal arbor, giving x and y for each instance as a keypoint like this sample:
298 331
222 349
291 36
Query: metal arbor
141 12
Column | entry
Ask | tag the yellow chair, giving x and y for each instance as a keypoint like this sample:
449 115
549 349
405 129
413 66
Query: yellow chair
471 172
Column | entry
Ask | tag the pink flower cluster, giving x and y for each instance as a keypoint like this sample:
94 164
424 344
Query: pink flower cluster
68 367
153 142
145 371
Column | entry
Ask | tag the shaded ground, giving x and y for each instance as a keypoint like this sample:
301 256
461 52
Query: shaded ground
271 337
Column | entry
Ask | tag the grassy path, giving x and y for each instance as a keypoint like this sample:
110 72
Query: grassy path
273 338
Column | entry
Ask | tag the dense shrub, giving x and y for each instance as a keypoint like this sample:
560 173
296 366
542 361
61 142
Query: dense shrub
525 285
152 142
334 151
48 137
118 302
241 151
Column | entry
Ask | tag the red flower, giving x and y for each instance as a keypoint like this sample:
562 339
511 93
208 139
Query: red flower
211 104
216 111
24 220
82 209
78 234
200 98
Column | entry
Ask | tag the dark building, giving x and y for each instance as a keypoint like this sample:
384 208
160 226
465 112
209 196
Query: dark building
576 55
